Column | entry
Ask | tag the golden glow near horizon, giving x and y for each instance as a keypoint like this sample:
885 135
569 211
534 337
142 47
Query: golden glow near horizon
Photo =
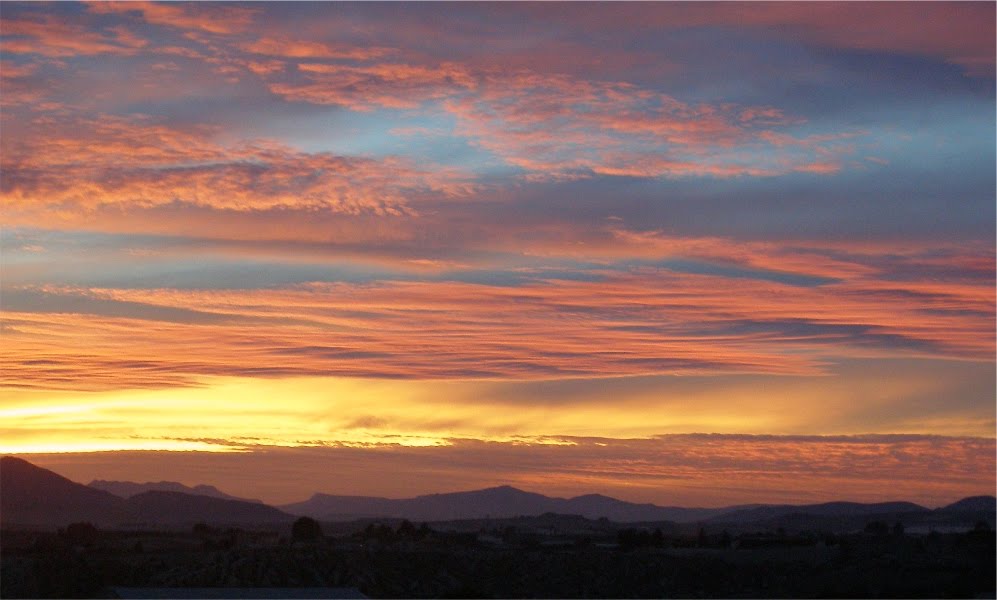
232 413
236 230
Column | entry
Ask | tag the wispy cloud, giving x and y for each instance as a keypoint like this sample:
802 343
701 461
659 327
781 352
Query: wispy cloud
562 126
78 165
52 37
646 319
217 19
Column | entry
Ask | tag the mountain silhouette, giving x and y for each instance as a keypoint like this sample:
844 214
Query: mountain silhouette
31 495
127 489
827 509
591 505
497 502
507 501
972 504
175 508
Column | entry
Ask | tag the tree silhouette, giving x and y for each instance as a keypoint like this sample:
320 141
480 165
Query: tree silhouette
878 528
80 534
406 529
657 538
306 529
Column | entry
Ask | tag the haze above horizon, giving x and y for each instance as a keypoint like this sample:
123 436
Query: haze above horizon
693 254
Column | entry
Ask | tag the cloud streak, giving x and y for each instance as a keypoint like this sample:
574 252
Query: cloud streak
216 19
648 319
79 165
561 126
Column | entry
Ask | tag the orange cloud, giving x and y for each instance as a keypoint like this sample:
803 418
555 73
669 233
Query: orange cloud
556 125
293 48
388 85
565 127
823 168
649 320
78 165
54 38
959 32
209 18
11 70
17 85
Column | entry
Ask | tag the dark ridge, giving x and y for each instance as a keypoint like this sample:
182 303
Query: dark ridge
127 489
33 496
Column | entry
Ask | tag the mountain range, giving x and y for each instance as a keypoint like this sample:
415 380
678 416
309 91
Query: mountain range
127 489
506 501
827 509
496 502
31 495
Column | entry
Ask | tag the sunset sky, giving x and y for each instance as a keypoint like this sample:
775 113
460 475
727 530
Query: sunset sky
693 254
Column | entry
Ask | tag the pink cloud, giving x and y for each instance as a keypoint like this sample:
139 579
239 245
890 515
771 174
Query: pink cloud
387 85
210 18
649 320
293 48
78 165
56 38
961 33
822 168
563 127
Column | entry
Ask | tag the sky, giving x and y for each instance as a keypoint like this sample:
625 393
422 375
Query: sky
694 254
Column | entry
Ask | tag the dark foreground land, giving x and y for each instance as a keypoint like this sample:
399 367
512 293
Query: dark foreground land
544 557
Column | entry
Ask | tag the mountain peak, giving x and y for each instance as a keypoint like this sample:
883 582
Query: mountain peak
593 497
127 489
36 496
33 495
973 503
14 461
504 489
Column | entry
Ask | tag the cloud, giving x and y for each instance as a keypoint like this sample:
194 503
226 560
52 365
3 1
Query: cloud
82 164
642 318
365 87
39 301
958 32
12 70
559 126
296 48
215 19
53 37
21 86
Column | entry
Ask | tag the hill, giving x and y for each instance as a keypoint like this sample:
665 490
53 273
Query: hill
127 489
506 502
496 502
175 508
972 504
30 495
827 509
33 496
